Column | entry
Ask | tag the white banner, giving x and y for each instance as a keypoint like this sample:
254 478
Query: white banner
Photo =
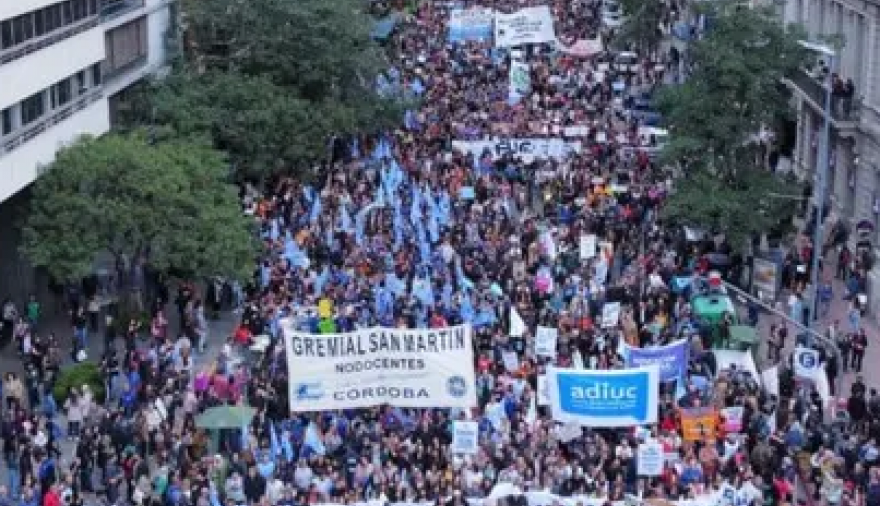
650 459
465 437
411 368
524 149
545 342
533 25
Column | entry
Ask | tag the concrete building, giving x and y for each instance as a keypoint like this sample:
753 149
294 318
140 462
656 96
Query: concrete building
64 70
854 177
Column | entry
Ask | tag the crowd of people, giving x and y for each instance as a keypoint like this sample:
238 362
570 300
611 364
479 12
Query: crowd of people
413 229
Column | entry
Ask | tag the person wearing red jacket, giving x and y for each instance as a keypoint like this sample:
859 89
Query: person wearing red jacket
52 497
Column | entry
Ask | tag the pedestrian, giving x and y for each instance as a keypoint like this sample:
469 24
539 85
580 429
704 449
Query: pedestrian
859 345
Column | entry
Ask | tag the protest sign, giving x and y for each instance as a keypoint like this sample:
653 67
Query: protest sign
650 459
765 278
806 363
733 418
545 341
417 368
588 245
583 48
533 25
465 437
543 398
699 424
510 360
520 81
475 23
526 150
610 314
604 398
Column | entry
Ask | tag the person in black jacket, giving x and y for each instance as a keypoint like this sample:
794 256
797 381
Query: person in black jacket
254 485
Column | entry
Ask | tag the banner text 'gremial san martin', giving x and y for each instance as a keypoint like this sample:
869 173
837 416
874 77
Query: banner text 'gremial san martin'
369 367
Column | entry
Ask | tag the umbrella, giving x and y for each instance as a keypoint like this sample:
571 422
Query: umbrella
225 417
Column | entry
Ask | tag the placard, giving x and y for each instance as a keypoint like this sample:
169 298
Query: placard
699 424
465 437
605 398
510 361
650 459
543 398
588 246
545 341
610 314
475 23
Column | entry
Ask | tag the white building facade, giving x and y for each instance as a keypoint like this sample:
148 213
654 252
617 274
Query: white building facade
853 185
63 67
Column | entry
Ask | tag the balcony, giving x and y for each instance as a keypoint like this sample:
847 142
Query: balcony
112 9
38 43
844 110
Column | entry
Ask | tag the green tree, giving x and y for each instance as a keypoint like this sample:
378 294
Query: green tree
272 80
168 203
734 91
735 88
641 29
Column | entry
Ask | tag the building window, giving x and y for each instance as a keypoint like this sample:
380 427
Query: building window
39 24
60 93
6 121
80 82
32 108
6 40
96 74
126 44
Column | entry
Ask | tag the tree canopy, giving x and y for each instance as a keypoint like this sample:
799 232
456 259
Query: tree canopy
272 80
641 29
167 203
734 91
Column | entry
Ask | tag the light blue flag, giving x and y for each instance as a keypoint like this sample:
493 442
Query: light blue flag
423 290
309 194
463 280
265 276
273 441
395 284
345 222
446 295
485 316
466 311
275 230
287 448
444 209
398 227
356 149
424 245
312 440
214 498
316 209
244 437
415 213
359 223
322 279
294 255
680 390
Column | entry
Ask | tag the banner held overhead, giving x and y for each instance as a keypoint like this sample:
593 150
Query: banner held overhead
413 368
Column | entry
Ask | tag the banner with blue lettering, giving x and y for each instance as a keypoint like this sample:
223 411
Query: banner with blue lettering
672 359
407 368
604 398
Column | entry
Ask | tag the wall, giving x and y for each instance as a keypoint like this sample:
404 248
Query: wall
37 71
157 26
21 167
12 8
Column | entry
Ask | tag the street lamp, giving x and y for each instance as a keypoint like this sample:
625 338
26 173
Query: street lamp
823 165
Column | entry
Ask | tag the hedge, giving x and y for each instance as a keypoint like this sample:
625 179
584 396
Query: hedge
86 373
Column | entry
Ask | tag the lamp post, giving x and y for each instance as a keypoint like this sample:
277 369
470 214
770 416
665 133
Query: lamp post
822 168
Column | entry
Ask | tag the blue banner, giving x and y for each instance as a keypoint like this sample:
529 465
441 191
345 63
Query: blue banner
605 398
672 359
